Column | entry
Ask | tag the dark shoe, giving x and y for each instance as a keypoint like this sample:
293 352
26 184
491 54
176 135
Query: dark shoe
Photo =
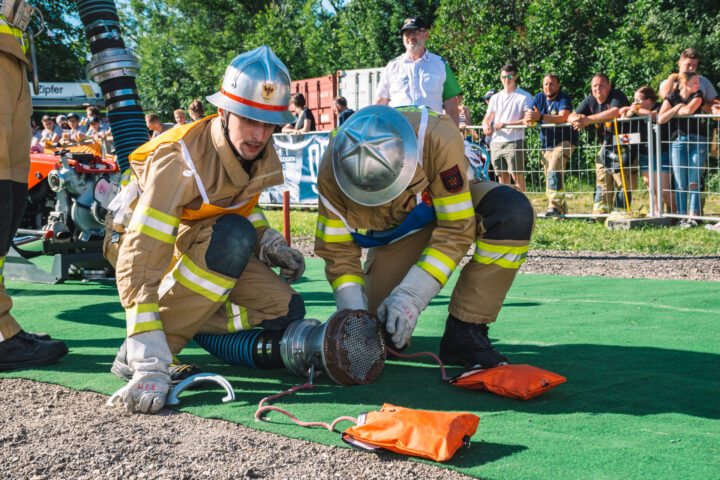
38 336
178 371
467 345
25 350
552 212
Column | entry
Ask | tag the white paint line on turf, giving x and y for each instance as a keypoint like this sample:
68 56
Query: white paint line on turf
613 302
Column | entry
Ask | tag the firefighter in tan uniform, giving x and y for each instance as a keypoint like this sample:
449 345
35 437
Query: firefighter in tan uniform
402 175
18 349
193 253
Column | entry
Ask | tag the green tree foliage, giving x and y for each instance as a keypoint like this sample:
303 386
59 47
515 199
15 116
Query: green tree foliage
61 51
185 45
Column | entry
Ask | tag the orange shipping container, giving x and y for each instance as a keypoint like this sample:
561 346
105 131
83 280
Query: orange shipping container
319 94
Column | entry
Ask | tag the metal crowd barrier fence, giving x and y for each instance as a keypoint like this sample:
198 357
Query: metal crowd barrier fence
566 169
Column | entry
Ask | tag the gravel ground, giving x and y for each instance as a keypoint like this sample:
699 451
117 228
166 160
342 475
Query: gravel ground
39 439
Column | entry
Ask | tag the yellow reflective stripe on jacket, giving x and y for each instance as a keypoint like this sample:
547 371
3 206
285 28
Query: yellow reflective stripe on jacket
155 224
237 317
200 281
2 267
15 32
258 219
502 256
416 109
346 280
143 317
437 264
126 177
454 207
329 230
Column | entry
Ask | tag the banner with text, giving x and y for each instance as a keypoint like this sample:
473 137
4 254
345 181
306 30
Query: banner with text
300 156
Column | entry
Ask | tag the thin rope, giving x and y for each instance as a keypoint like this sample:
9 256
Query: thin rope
262 408
426 354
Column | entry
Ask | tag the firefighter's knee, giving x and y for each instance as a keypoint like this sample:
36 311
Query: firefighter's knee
231 245
506 214
296 311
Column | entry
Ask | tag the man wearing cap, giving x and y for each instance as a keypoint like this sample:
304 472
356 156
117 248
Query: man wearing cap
419 77
402 175
193 253
18 349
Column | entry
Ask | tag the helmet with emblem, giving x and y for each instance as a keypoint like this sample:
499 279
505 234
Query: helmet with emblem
374 155
256 85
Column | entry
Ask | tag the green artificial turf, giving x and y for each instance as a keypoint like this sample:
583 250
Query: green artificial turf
641 357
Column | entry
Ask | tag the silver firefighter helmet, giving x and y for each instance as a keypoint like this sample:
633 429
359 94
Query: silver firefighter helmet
374 155
256 85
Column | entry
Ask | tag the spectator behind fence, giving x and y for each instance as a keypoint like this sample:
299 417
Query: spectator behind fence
196 110
419 77
485 139
688 62
180 118
62 122
305 120
465 119
552 105
52 132
341 109
600 109
76 133
689 148
94 130
645 103
155 125
507 147
90 112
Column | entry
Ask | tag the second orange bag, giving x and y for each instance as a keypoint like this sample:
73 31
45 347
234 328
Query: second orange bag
422 433
514 381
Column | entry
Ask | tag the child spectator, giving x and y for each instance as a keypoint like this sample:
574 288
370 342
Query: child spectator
196 110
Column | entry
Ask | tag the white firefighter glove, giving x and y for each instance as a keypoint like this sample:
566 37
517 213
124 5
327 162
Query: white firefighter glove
401 309
148 355
274 252
352 296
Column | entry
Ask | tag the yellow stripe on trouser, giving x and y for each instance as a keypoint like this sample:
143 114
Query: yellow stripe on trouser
340 281
437 264
143 318
155 224
455 207
200 281
329 230
2 267
500 255
237 317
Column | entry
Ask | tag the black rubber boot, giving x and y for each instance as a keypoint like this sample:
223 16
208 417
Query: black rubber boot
178 371
25 351
467 345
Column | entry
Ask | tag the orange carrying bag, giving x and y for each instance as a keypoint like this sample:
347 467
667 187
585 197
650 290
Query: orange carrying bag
421 433
514 381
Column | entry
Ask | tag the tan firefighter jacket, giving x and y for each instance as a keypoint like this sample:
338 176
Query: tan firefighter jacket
174 172
443 175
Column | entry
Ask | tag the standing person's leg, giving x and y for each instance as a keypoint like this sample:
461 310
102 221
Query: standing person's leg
625 183
499 160
696 163
679 155
603 188
516 163
17 350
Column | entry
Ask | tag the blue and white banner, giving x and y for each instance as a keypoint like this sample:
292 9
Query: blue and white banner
300 156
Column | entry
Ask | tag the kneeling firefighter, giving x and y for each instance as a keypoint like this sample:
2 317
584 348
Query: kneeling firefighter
402 175
191 250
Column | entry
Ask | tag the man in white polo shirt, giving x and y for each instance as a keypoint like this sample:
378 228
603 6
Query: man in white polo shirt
419 77
507 147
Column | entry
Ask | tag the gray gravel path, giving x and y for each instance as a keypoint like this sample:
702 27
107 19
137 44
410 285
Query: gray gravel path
48 431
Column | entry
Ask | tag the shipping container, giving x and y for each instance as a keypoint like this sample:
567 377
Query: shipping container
319 94
359 87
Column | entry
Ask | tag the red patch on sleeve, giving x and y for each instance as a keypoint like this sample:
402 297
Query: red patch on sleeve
452 179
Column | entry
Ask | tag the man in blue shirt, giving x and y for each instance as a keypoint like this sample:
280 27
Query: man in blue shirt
341 110
552 106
